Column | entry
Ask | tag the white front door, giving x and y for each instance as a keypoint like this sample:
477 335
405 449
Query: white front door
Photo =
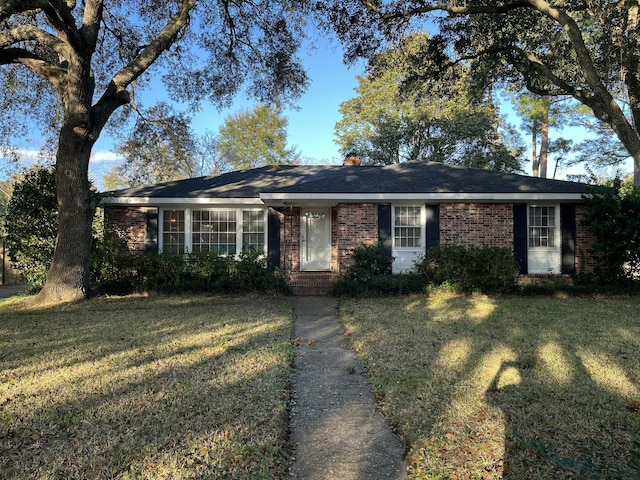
315 239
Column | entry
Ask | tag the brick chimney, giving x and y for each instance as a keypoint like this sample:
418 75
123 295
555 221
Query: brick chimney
351 160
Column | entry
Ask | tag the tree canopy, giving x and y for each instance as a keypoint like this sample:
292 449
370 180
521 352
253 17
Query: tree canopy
398 117
255 138
161 147
68 66
583 49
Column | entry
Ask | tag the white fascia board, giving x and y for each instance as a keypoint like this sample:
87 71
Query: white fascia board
405 197
179 201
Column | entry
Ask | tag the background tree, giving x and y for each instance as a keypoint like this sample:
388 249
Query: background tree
398 117
255 138
68 66
539 115
31 224
161 147
587 50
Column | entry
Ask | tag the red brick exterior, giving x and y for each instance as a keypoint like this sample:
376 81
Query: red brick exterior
479 224
128 223
354 225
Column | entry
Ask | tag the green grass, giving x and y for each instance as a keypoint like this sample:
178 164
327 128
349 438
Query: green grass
522 388
157 387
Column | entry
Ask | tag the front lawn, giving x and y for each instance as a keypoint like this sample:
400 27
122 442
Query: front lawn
521 388
159 387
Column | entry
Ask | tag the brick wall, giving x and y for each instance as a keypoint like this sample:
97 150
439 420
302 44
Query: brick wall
128 223
355 225
480 224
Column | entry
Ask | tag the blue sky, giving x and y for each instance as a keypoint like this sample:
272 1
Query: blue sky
311 125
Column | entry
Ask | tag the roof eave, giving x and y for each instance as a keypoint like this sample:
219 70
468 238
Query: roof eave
180 200
281 198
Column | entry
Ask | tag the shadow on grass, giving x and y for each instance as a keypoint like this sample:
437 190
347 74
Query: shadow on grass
151 388
506 387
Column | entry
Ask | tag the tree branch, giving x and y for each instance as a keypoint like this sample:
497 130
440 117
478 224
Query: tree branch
53 73
116 94
25 33
23 7
91 22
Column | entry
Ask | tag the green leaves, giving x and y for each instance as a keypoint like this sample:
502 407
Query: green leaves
410 107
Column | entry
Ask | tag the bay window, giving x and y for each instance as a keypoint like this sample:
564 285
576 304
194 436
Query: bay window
225 231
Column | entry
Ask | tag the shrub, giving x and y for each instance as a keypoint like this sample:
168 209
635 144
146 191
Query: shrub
208 272
113 267
468 269
370 275
32 223
613 215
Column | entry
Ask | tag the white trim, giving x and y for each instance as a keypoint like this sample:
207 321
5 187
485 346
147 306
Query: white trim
179 201
545 260
434 197
323 264
332 198
188 224
405 257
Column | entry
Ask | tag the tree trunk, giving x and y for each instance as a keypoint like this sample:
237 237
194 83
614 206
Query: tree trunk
68 276
534 149
544 139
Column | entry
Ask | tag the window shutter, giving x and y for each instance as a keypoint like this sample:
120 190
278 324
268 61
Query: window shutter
568 233
151 235
273 239
433 225
520 245
384 228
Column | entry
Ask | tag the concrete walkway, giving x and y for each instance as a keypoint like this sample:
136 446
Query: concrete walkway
8 291
337 429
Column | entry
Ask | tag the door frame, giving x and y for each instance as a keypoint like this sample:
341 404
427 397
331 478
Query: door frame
323 264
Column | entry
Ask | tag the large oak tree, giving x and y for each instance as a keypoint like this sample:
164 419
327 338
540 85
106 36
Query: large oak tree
586 49
70 65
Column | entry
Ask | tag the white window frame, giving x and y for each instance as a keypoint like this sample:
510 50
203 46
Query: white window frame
405 257
188 210
545 259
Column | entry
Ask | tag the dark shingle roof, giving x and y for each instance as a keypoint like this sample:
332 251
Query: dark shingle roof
410 177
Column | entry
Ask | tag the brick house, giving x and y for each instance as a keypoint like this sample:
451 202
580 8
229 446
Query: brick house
309 217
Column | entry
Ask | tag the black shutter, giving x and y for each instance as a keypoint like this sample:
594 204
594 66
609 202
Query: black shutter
384 228
433 225
568 233
273 239
520 244
151 237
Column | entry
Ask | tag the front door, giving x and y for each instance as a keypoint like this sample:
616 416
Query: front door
315 239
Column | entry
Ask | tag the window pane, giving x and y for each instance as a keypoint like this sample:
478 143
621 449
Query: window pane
407 227
218 229
253 230
542 231
173 231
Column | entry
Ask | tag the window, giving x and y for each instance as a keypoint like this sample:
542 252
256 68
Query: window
173 231
407 226
253 231
542 227
225 231
214 230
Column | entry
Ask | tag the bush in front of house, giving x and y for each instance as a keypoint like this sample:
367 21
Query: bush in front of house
469 269
370 275
208 272
612 214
